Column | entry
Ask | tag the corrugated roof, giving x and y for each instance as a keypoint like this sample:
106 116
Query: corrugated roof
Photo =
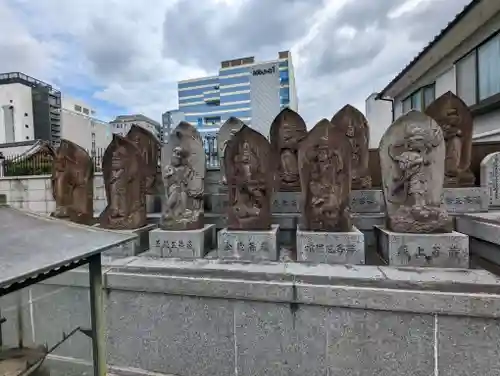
431 44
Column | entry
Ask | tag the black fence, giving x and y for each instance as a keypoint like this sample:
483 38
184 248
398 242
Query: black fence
41 164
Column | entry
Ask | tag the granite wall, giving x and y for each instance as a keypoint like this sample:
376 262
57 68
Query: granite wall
34 192
204 317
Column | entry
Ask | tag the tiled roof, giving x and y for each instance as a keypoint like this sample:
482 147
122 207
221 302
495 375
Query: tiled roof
431 44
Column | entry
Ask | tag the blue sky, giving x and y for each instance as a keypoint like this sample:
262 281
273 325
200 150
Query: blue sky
126 56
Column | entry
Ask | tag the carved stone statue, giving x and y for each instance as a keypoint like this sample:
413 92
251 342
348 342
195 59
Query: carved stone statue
455 120
73 183
287 130
355 126
412 155
148 145
250 180
325 171
183 178
226 132
124 172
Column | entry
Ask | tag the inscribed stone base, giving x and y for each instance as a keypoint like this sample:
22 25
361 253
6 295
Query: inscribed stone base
182 243
248 245
490 177
466 200
449 250
362 201
331 247
367 201
285 202
134 247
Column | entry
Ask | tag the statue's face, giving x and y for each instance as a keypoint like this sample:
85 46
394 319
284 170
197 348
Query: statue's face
350 131
416 142
118 159
246 152
177 155
322 155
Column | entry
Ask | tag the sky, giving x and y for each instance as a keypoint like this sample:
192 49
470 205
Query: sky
126 56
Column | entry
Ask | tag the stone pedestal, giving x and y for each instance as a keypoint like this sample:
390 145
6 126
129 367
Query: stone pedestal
466 200
248 245
331 247
367 201
182 243
134 247
450 250
362 201
490 177
285 202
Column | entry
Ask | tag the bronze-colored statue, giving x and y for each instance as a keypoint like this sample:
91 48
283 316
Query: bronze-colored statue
149 146
73 183
325 171
412 161
183 178
124 172
287 130
355 126
226 132
250 180
455 120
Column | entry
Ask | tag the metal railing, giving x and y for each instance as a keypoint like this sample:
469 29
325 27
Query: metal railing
41 164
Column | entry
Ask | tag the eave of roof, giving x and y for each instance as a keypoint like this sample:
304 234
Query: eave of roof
431 44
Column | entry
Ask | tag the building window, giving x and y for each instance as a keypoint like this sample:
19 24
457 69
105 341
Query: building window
25 114
488 58
406 105
419 99
78 108
478 74
86 111
27 138
26 126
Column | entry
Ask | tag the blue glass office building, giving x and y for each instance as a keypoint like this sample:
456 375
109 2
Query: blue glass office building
254 92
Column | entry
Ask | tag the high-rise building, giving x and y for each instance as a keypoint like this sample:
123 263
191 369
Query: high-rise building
29 109
170 119
122 124
253 91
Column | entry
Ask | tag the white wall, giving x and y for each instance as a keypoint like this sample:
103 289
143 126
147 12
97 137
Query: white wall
264 96
79 128
18 96
441 70
294 100
379 116
122 127
76 105
446 82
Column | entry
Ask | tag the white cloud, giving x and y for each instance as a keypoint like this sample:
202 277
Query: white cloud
132 55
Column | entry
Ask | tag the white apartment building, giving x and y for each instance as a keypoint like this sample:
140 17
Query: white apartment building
121 125
81 128
465 59
29 109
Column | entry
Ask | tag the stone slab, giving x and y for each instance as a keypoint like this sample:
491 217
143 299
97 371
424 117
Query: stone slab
450 250
466 200
216 202
362 201
484 226
134 247
248 245
182 244
285 202
367 201
331 247
490 177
